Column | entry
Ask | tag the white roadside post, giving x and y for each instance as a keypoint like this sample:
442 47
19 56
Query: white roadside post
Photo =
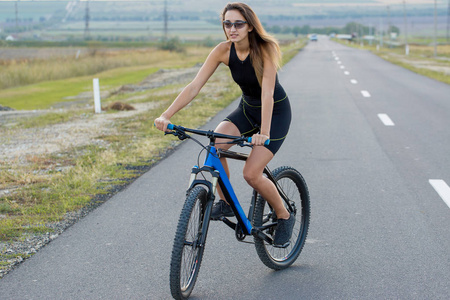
97 102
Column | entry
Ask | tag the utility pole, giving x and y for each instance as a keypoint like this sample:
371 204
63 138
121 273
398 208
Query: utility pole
406 28
381 32
435 28
448 20
165 20
389 25
17 18
86 19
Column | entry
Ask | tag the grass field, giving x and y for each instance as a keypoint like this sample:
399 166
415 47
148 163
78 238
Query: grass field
53 80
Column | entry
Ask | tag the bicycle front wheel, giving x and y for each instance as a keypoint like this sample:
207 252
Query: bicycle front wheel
294 187
188 248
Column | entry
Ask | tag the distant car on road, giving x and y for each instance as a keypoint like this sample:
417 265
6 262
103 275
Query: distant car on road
313 37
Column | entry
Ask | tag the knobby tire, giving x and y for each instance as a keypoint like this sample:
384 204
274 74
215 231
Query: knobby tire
187 252
294 186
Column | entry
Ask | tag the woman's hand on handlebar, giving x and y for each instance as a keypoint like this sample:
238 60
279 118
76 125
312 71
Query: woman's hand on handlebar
161 123
259 139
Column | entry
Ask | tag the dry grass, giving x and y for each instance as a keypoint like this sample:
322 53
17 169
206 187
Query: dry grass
21 72
421 59
428 51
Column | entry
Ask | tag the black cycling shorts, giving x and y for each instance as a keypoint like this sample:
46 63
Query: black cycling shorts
247 118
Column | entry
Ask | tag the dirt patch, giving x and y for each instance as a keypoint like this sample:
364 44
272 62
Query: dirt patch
17 144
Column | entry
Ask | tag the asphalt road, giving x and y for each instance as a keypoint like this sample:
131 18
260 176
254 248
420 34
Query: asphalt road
380 229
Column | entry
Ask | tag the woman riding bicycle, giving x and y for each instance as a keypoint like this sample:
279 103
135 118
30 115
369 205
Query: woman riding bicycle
263 113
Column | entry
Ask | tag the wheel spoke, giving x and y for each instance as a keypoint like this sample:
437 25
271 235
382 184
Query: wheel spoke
187 251
294 187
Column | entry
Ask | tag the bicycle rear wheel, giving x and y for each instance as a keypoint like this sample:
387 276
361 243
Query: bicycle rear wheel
294 186
188 249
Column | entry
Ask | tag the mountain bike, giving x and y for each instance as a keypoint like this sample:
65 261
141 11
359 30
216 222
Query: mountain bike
260 222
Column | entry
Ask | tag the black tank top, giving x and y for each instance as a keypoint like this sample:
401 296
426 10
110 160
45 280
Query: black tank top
244 75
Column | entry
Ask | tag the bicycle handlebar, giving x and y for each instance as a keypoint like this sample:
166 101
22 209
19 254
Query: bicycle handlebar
212 134
266 142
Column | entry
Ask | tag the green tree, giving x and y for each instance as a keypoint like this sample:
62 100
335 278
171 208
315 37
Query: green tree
173 44
296 30
276 29
306 29
286 30
395 29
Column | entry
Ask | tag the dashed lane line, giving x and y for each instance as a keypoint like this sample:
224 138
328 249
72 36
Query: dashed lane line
443 190
365 94
386 120
354 81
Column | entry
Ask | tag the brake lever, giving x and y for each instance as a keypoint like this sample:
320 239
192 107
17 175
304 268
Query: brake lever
180 134
240 142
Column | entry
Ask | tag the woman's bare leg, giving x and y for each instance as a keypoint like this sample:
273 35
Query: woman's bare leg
253 174
229 128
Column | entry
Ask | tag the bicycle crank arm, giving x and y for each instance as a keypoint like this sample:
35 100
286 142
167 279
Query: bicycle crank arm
230 224
259 234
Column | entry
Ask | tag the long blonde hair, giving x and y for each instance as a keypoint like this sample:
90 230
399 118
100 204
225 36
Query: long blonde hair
261 43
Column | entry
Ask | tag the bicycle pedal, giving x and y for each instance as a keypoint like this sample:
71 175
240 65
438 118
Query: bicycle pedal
285 245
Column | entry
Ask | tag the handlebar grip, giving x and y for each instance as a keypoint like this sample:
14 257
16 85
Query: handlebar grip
266 143
169 126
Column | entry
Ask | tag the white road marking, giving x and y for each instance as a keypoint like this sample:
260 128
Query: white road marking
342 67
353 81
347 73
339 62
365 94
386 120
442 189
336 58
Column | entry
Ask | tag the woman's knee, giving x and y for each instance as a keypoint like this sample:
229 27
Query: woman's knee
226 127
251 176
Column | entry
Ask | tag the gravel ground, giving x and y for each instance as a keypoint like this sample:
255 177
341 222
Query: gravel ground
16 145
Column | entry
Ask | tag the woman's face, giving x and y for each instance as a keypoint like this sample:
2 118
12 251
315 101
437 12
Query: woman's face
236 34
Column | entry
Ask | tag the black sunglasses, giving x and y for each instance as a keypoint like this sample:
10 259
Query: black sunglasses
237 25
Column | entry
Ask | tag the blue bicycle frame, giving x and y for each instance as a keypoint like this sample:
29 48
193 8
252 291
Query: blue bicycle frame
212 160
213 165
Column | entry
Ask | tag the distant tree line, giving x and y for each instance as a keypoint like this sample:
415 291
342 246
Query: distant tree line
349 28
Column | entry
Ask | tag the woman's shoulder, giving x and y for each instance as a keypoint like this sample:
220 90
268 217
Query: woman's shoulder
223 47
222 51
